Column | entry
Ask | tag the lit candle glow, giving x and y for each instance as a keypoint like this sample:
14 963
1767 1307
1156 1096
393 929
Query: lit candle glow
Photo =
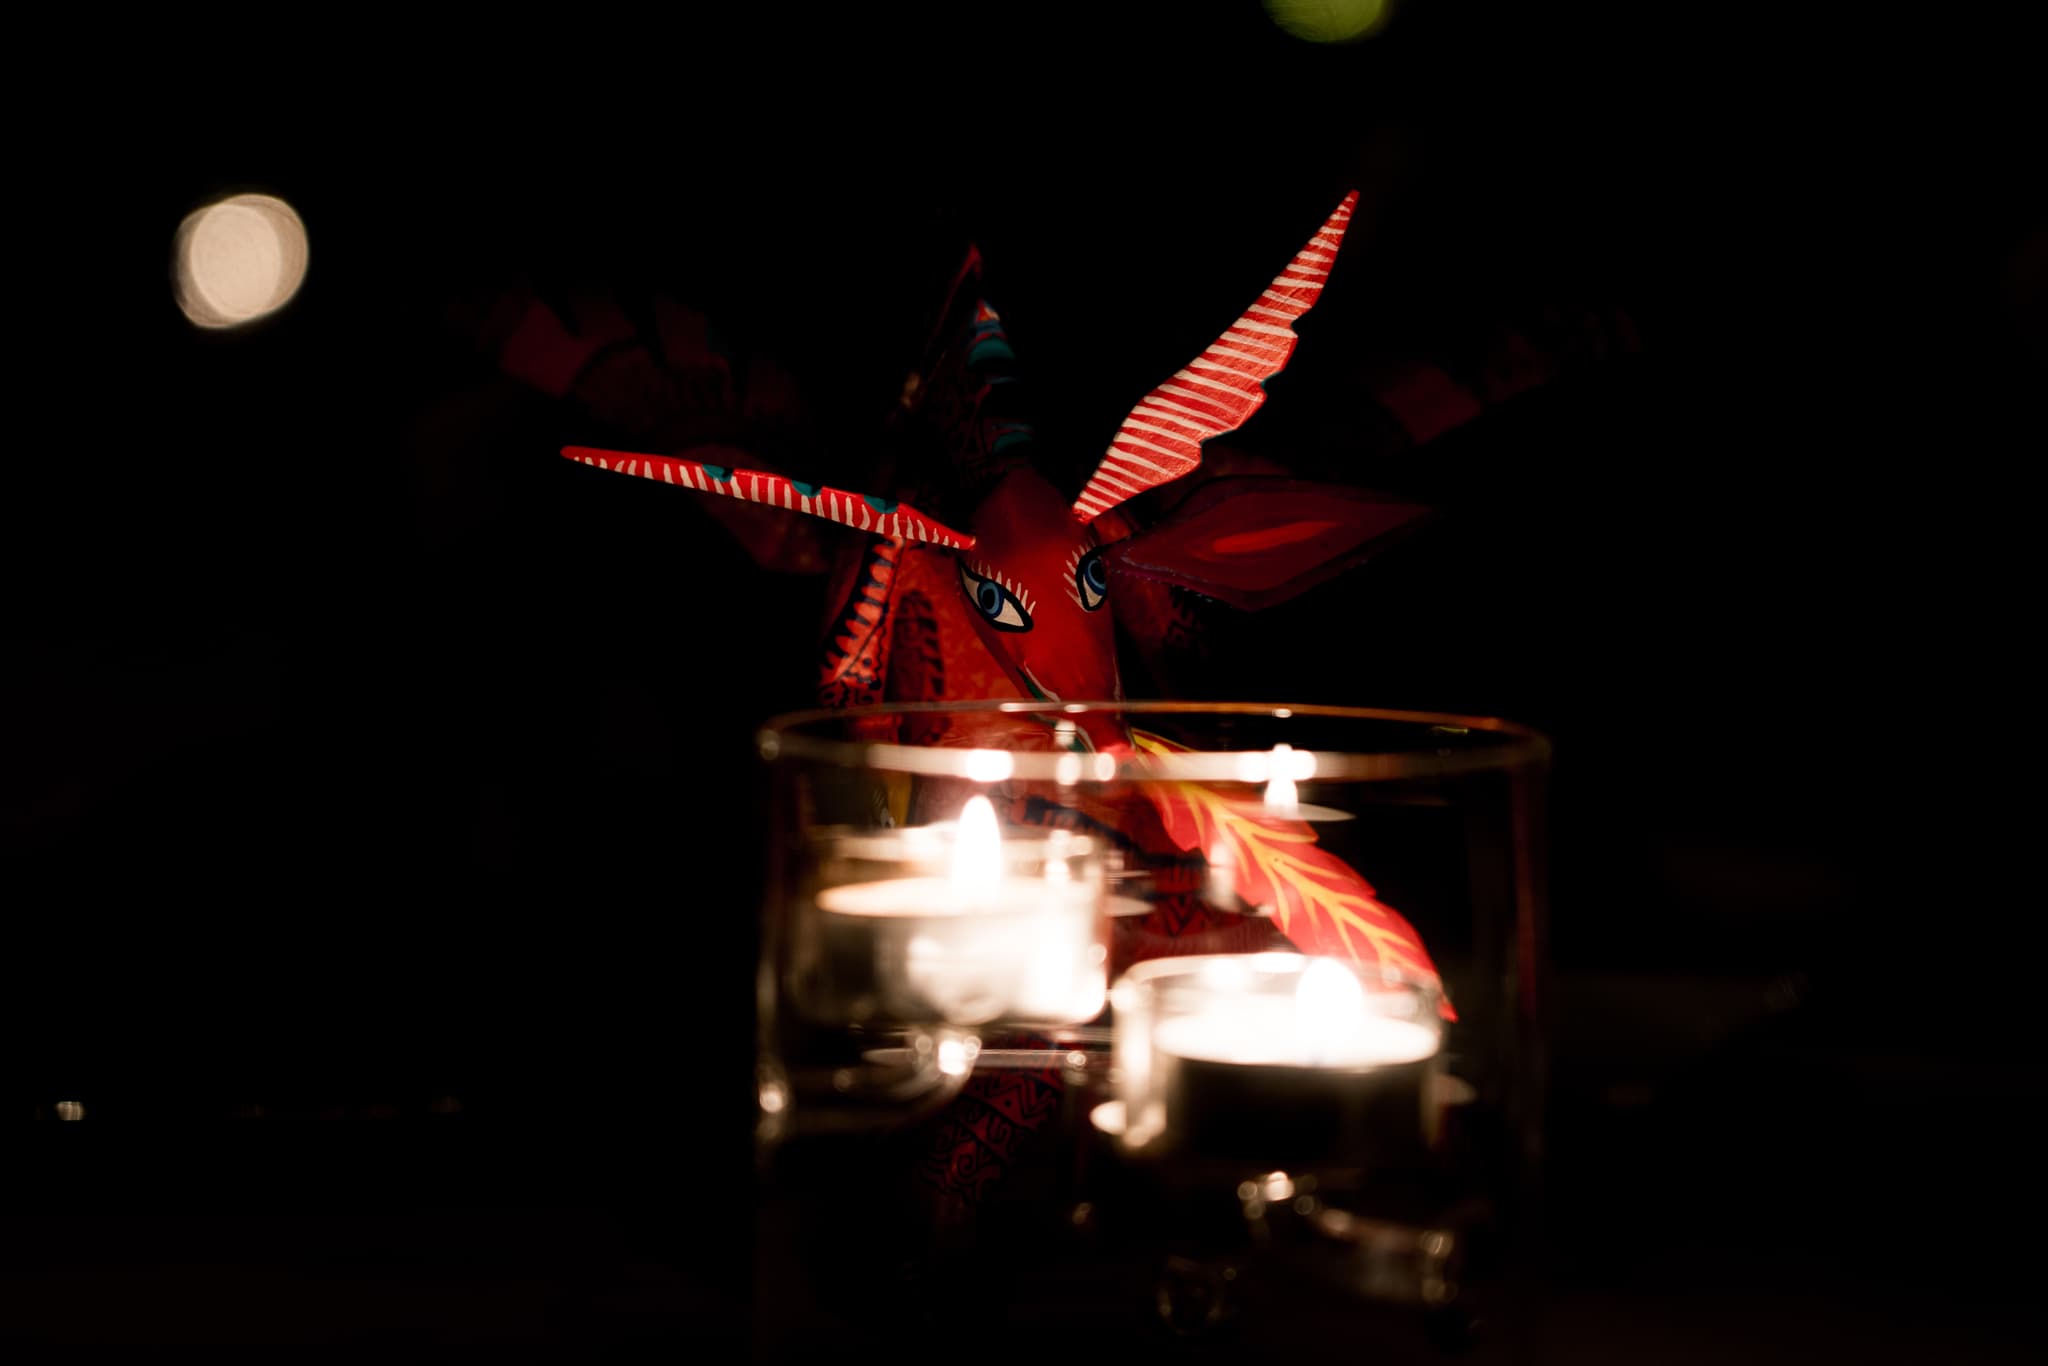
1011 931
1274 1058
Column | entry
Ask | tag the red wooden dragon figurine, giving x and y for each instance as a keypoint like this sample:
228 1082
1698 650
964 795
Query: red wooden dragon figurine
1025 601
1015 606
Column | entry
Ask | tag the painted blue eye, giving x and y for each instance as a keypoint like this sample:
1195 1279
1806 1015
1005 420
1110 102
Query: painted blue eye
1002 608
1092 578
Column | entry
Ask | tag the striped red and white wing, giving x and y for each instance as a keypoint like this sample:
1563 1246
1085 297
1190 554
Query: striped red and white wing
1217 391
862 512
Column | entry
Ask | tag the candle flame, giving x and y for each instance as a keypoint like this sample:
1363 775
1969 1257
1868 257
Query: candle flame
978 851
1281 799
1329 1006
956 1055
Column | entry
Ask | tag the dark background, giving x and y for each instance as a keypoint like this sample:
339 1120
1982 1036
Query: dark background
362 757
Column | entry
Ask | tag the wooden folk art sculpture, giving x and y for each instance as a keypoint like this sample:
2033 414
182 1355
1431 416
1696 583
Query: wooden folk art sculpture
975 578
1014 604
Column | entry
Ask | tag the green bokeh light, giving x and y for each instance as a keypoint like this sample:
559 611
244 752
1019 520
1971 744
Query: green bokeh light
1329 21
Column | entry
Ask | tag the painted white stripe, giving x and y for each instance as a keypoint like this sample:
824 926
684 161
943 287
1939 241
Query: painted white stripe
603 463
1262 327
1295 306
1211 424
1131 424
1173 426
803 503
866 521
1190 377
1157 409
1202 421
1311 281
1285 315
1110 477
668 474
1263 359
1122 442
1243 384
1111 494
1177 386
1108 494
1129 477
1257 348
1236 372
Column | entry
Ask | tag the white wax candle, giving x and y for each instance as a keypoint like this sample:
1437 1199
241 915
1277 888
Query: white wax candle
1024 948
1010 932
1274 1059
1256 1078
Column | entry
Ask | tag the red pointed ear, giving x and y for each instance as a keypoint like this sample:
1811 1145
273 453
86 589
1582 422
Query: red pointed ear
1253 541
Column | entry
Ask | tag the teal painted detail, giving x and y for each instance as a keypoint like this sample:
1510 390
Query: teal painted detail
1009 439
992 348
807 490
879 504
719 473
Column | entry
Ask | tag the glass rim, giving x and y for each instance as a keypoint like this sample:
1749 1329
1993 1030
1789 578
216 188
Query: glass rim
792 735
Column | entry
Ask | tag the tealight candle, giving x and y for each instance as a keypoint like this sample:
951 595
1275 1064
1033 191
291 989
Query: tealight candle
1274 1059
1010 932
